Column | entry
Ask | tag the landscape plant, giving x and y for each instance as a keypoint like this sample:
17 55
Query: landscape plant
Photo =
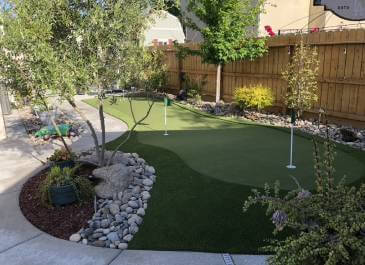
327 225
229 32
194 88
62 154
257 97
301 75
58 177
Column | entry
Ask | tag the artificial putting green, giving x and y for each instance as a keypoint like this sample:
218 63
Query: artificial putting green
206 169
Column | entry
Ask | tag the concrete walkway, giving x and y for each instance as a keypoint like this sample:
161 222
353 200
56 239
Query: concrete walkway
23 244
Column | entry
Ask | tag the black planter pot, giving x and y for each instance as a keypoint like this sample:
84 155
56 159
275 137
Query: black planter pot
63 195
64 164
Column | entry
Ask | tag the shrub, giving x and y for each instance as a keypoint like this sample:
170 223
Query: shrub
61 155
58 177
194 88
329 224
257 97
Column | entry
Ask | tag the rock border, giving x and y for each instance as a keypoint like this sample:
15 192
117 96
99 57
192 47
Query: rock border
345 135
116 220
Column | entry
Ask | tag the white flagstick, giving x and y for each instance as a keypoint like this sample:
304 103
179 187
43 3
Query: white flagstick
291 166
165 119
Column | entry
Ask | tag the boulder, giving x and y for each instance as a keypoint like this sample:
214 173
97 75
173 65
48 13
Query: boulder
348 135
119 158
116 178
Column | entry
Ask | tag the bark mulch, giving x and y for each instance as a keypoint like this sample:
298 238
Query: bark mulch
60 222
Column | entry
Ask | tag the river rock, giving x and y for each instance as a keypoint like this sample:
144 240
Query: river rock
150 170
123 246
75 237
141 212
133 204
128 238
113 236
99 243
114 208
146 195
148 182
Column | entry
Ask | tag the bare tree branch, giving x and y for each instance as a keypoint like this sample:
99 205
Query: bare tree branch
150 103
54 124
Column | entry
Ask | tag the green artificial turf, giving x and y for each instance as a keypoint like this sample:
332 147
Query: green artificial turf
206 168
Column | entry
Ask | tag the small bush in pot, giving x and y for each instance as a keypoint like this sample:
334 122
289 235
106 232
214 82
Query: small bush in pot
254 97
63 186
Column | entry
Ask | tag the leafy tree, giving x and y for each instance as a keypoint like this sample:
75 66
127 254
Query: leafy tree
301 75
229 31
328 225
63 46
174 8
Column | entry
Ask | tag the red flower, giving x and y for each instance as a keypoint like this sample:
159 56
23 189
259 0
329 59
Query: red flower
270 31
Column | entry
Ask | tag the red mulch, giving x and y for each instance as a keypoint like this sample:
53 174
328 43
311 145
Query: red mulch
60 222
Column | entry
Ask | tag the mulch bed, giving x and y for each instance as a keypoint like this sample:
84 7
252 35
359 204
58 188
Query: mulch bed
60 222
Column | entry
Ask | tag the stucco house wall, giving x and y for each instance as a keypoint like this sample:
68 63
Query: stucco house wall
286 15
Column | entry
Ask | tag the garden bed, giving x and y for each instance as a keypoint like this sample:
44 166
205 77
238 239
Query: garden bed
347 135
60 222
34 121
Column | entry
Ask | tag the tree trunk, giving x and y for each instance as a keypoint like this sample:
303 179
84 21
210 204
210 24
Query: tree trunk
102 123
92 130
55 125
218 84
60 135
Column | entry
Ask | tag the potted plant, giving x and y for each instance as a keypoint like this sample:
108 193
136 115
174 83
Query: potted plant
62 158
62 187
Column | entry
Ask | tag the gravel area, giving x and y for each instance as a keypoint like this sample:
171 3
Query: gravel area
347 135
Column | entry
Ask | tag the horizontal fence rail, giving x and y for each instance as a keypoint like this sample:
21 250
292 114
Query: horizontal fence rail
341 76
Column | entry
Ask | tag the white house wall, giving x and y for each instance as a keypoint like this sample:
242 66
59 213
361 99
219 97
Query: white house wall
164 28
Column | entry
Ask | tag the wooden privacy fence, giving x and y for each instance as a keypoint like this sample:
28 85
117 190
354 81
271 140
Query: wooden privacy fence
341 75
